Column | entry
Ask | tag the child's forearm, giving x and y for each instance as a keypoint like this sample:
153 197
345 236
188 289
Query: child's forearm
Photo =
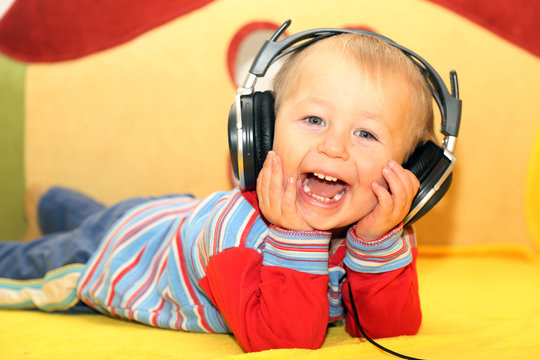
267 306
387 303
384 284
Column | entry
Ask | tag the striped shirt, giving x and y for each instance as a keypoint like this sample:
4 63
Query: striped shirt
149 265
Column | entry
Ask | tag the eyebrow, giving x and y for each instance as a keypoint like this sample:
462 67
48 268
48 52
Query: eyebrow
323 102
316 100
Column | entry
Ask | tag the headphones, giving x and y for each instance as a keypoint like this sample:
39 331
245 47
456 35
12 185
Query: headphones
251 120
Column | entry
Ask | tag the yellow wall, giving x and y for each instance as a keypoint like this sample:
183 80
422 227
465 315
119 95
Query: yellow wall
149 116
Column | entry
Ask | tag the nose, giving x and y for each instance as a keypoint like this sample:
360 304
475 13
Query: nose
335 144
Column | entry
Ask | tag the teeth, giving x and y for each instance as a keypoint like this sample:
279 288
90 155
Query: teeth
336 197
325 177
320 198
307 190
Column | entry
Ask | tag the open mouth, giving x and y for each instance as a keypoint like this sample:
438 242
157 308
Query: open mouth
324 188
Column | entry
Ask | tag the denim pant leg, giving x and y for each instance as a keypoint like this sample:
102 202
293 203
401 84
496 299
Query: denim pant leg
33 260
21 260
61 209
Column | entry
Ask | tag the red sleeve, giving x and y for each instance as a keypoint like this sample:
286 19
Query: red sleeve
267 306
387 303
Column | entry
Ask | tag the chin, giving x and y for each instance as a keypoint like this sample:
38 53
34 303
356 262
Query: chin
324 222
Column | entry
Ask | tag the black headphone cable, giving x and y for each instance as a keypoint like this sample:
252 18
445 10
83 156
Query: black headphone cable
357 319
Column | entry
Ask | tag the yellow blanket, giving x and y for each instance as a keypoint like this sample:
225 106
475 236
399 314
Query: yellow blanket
475 307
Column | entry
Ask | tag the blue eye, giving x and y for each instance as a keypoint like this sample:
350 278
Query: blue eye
364 134
313 120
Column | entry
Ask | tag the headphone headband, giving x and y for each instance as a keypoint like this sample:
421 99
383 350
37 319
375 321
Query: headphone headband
448 103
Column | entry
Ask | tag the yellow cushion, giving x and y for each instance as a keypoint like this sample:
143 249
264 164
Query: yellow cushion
473 308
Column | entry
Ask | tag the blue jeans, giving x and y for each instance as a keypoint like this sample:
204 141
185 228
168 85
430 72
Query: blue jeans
73 226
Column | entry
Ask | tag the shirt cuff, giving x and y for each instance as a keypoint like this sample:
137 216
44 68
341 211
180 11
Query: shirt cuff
390 252
305 251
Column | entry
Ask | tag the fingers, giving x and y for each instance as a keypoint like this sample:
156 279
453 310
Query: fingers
393 204
282 198
288 205
276 182
270 185
403 186
277 199
263 181
383 197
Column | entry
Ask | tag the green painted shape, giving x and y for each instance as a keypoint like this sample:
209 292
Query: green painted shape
12 79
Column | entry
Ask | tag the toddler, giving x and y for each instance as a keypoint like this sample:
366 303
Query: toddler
272 266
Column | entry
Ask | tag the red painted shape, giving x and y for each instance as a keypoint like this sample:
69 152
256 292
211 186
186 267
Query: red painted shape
237 40
513 20
57 30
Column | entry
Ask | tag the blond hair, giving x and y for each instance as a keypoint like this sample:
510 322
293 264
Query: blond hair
378 58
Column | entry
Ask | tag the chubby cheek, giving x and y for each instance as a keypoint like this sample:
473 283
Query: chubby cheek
364 199
370 171
291 158
290 166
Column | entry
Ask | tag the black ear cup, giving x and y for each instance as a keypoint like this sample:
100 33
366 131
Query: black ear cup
257 135
423 159
263 110
429 164
433 200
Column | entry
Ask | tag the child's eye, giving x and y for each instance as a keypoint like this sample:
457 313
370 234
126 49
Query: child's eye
364 134
313 120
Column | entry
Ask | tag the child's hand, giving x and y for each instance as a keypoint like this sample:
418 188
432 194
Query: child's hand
393 204
276 200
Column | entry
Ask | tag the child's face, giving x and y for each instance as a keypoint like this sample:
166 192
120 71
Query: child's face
338 123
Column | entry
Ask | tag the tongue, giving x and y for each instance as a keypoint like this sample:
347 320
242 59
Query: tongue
324 188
